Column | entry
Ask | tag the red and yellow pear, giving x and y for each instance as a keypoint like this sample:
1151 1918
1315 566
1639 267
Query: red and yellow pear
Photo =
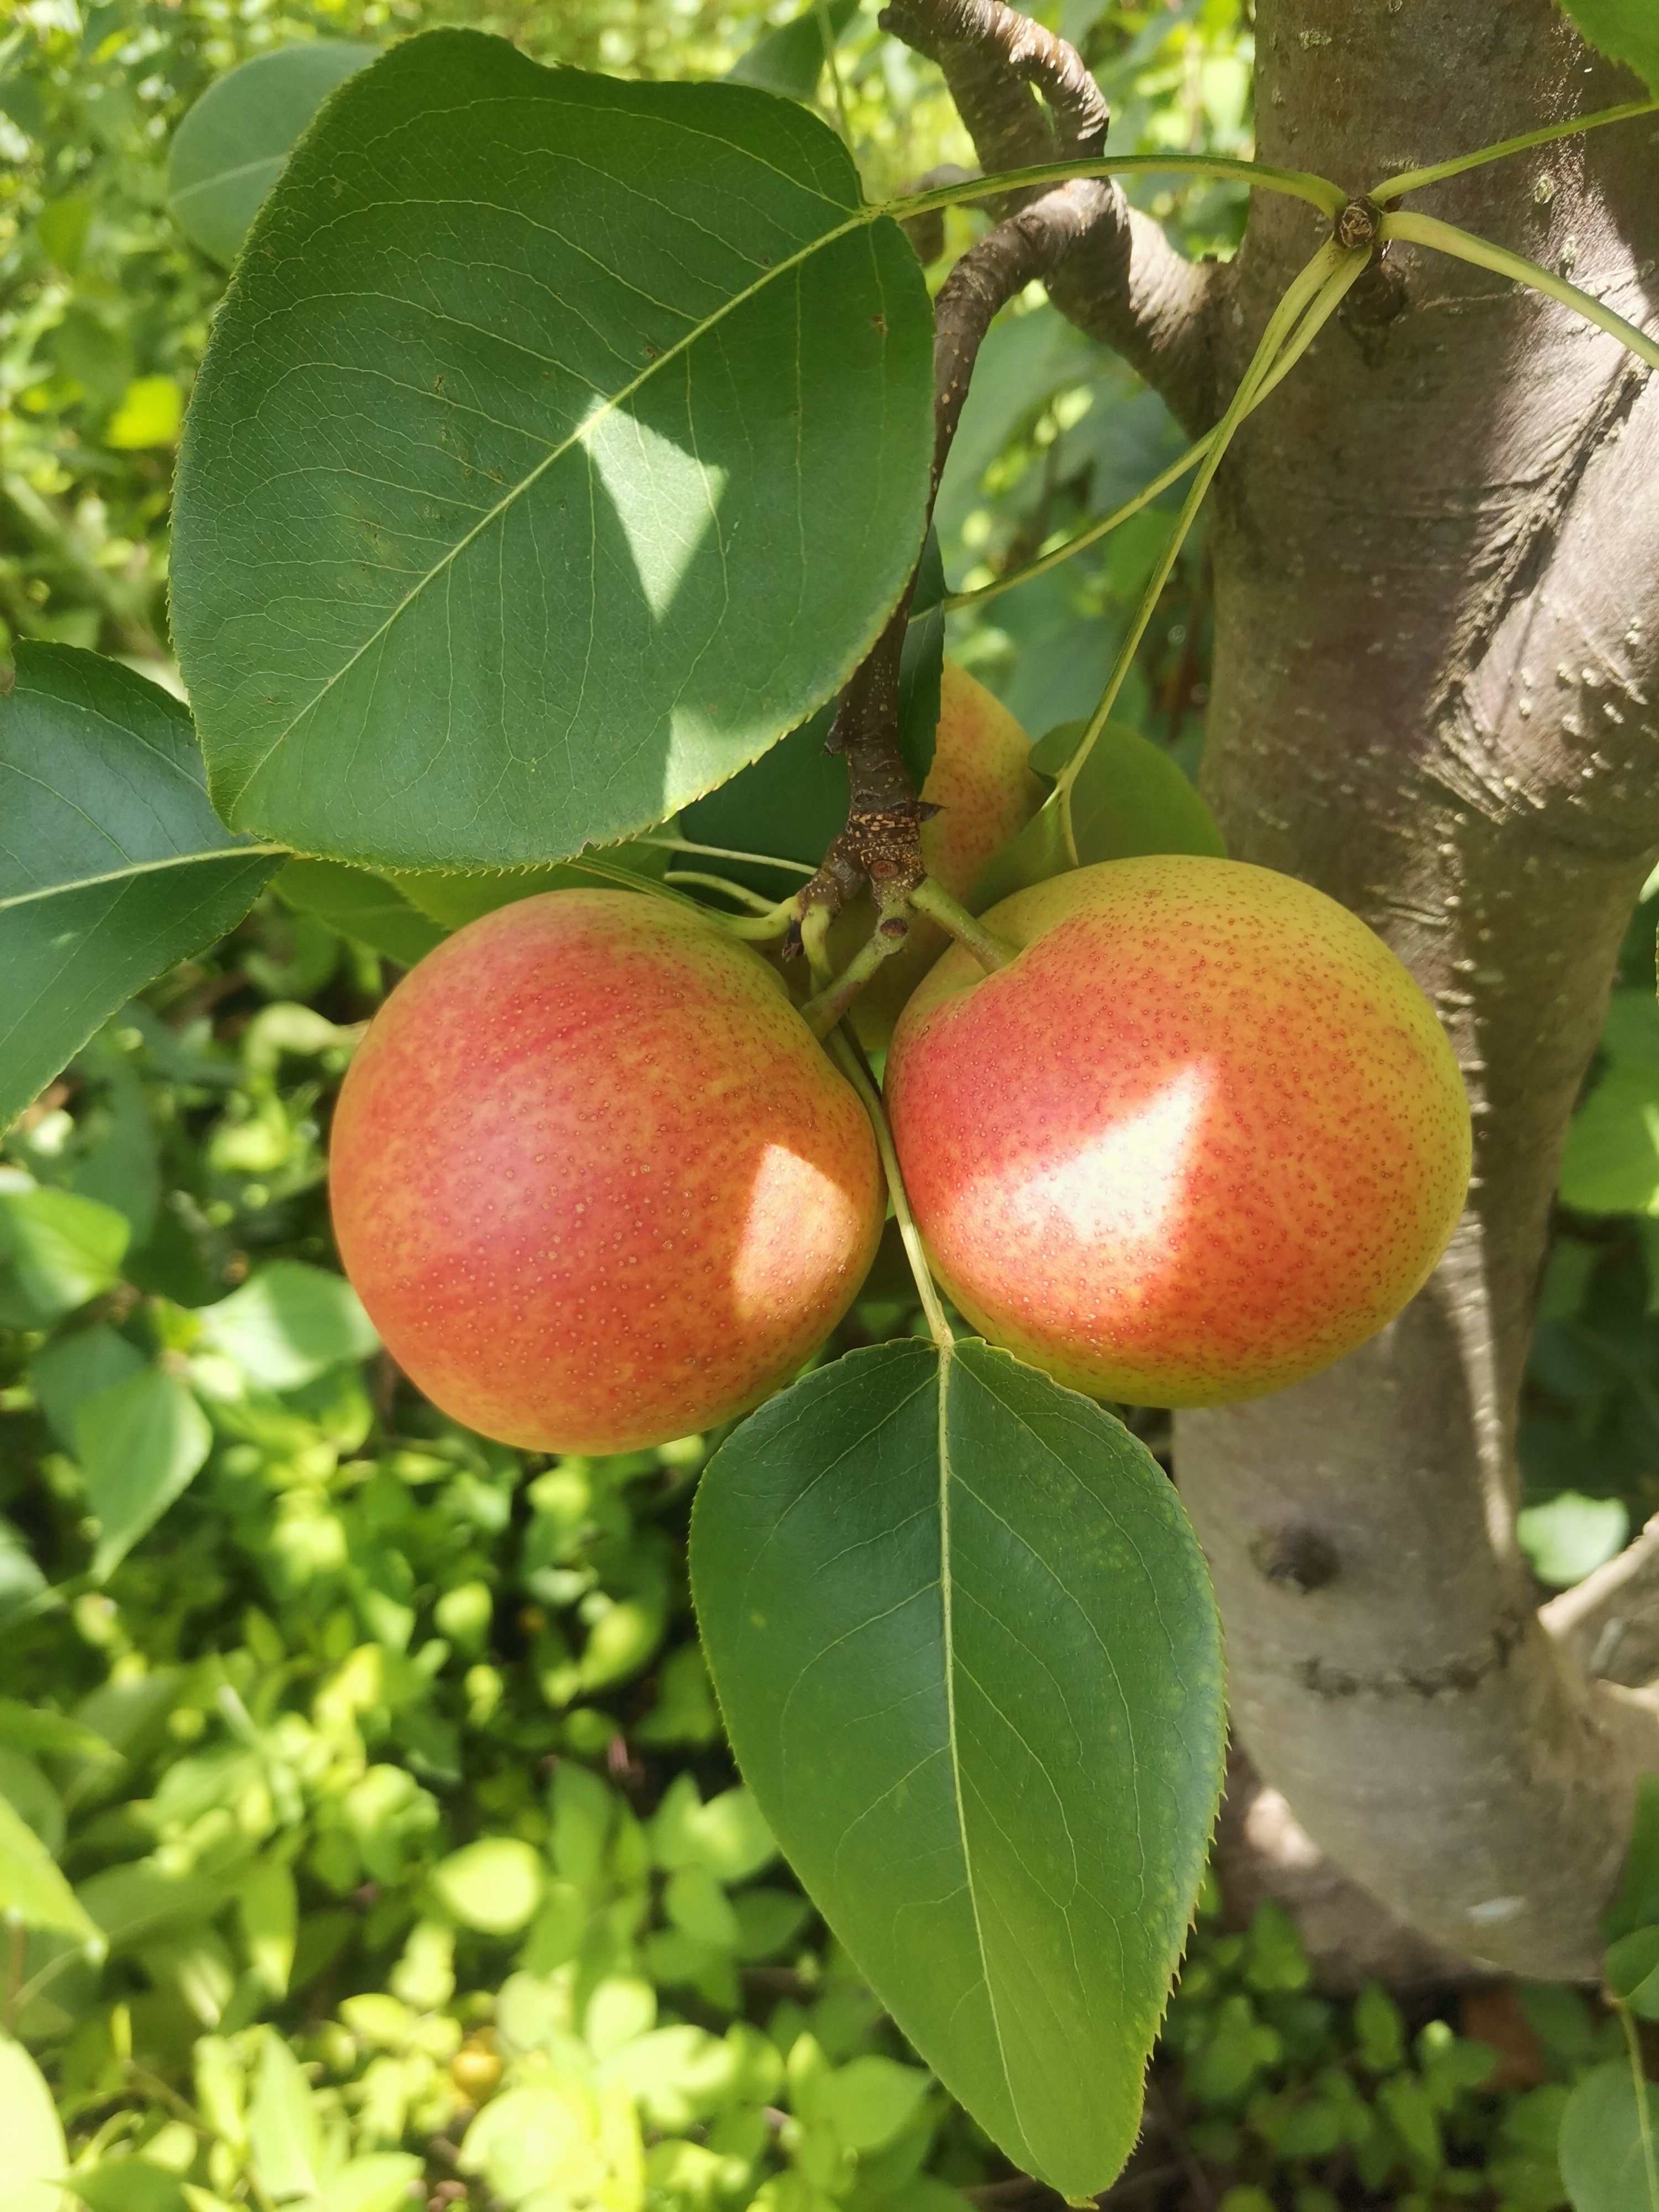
595 1181
1200 1136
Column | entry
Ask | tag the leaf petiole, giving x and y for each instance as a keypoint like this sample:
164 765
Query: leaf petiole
1316 292
1414 181
932 899
1464 245
851 1060
1644 2117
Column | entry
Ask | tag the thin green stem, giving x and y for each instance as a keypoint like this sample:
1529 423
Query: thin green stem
930 898
852 1063
739 892
1297 184
815 941
834 997
1464 245
1317 291
762 928
1414 181
725 852
1290 353
1643 2116
827 32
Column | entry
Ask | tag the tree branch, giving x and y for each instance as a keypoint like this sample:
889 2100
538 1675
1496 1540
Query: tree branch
881 844
1610 1621
1122 282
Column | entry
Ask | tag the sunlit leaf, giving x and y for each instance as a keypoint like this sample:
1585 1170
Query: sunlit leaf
33 1892
967 1653
513 511
790 59
56 1250
1605 2161
288 1324
35 2150
230 148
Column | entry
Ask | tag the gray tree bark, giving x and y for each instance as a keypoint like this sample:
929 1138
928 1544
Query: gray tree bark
1438 647
1437 555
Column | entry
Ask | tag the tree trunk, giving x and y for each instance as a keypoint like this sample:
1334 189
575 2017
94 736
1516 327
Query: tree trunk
1437 558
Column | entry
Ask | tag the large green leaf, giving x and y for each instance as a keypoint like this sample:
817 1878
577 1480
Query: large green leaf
113 863
229 149
967 1650
1628 30
515 508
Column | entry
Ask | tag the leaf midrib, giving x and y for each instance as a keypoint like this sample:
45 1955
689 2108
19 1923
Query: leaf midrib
947 1361
137 868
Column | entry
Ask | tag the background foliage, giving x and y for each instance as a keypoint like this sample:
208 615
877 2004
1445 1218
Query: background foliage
367 1832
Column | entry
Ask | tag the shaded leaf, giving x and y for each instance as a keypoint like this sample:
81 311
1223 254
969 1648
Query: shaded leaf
790 59
1605 2163
360 904
288 1324
72 1369
513 511
1131 797
1626 30
140 1442
129 2184
113 866
1631 1970
967 1653
453 901
230 148
33 1728
57 1251
1636 1905
1611 1161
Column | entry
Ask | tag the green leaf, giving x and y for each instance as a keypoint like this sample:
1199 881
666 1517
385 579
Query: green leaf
113 866
790 59
793 802
231 147
269 1906
74 1368
1631 1970
1636 1905
362 905
493 1885
33 1892
288 1324
382 2182
129 2184
513 511
36 2153
1624 30
33 1728
1130 798
453 901
283 2129
1569 1536
871 2099
1611 1162
1604 2162
56 1250
967 1650
140 1442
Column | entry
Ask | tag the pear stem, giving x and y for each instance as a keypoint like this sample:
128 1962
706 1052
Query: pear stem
851 1063
930 897
822 1011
